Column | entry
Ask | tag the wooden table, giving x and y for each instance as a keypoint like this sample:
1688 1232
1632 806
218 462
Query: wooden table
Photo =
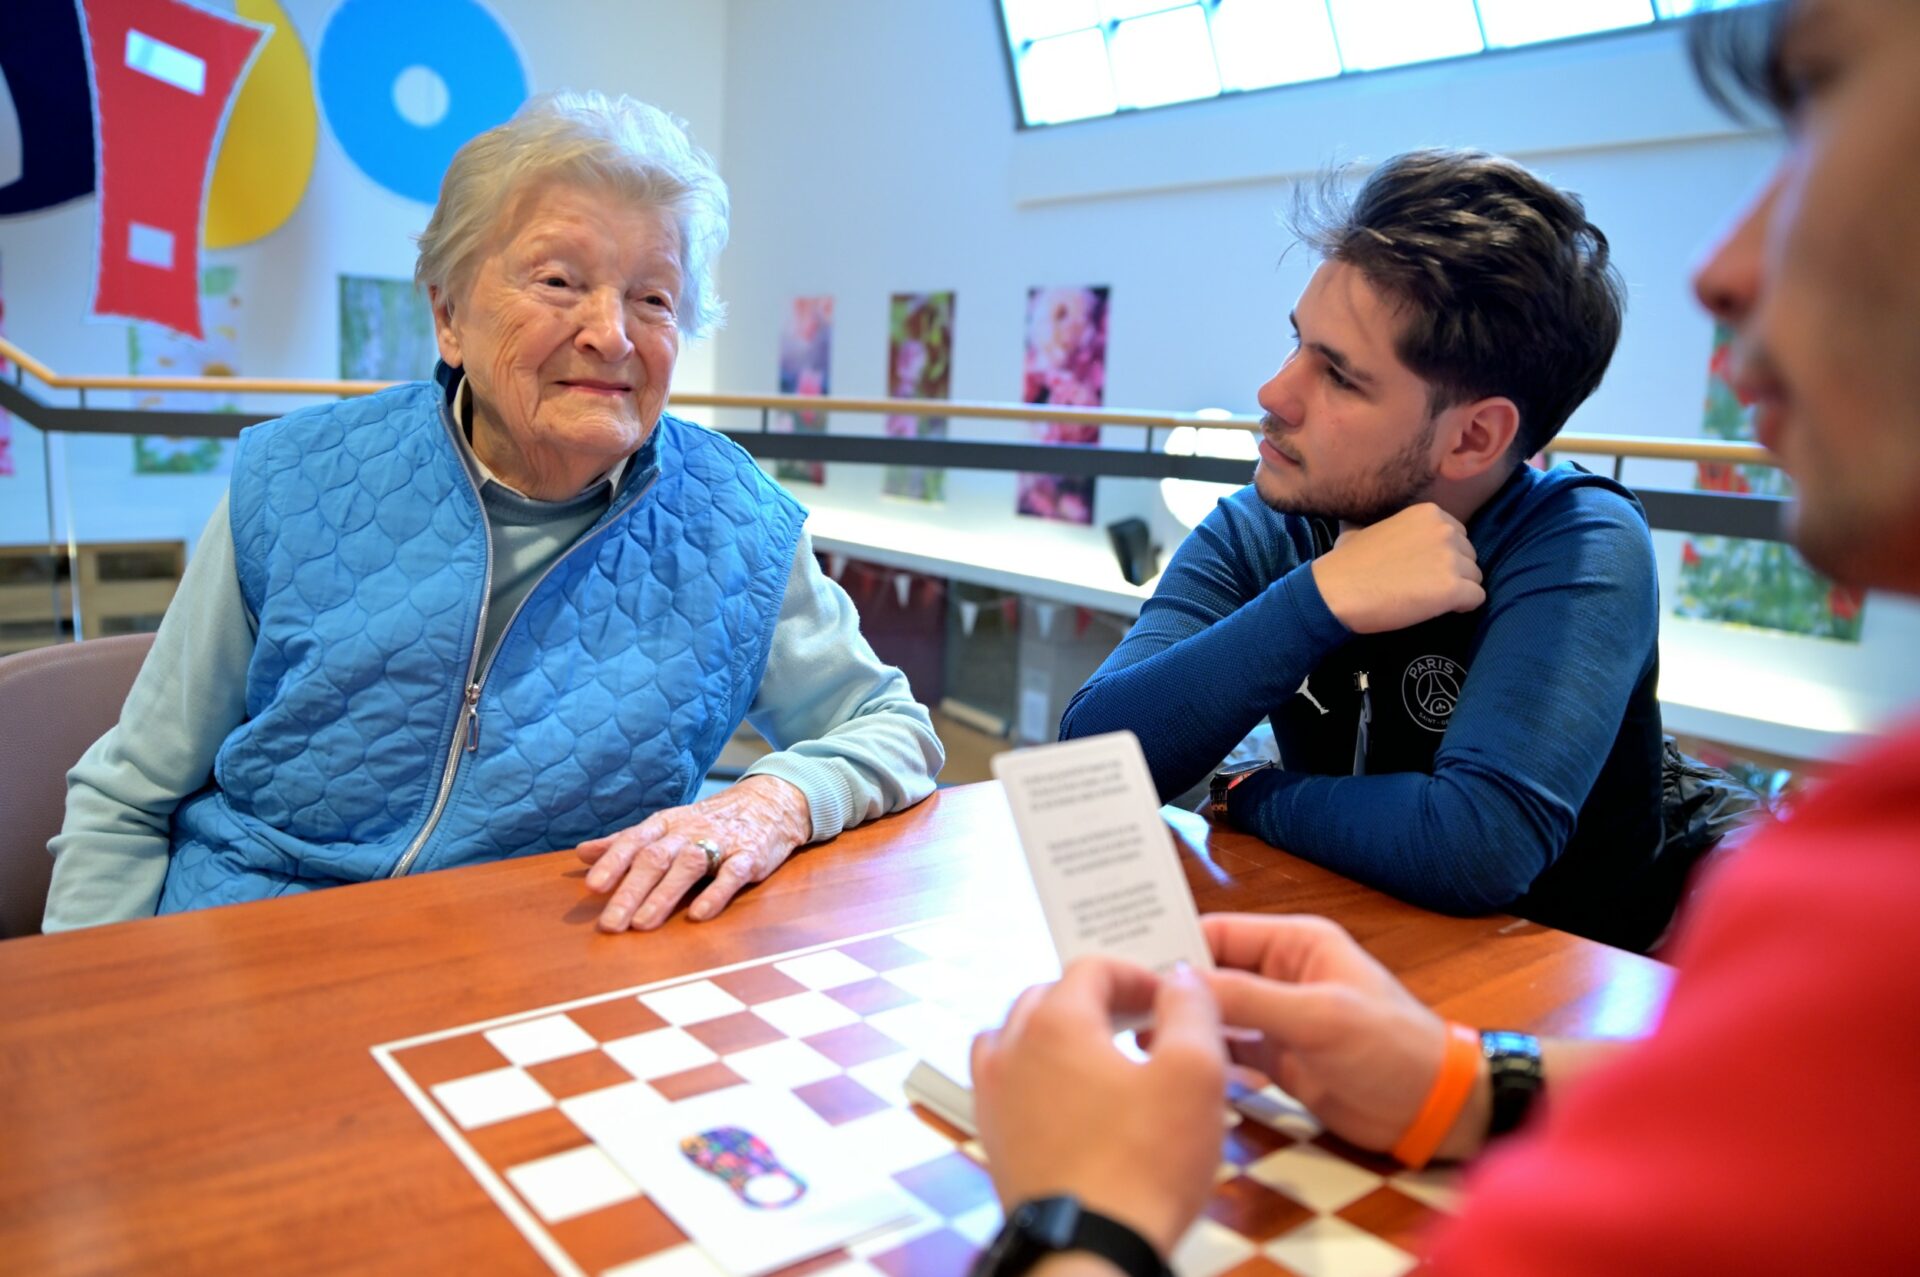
194 1093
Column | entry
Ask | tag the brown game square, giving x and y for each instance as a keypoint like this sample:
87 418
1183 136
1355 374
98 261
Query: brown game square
1258 1266
730 1033
684 1086
754 985
1255 1211
573 1075
869 996
615 1234
839 1099
941 1251
615 1018
952 1185
883 953
522 1139
1247 1141
852 1044
435 1062
1389 1213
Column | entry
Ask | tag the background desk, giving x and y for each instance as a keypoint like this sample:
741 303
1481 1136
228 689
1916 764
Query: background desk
195 1093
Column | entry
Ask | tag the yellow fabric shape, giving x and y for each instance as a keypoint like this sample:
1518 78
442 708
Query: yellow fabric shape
267 154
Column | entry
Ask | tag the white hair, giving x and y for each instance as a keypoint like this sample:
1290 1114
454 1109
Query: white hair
592 140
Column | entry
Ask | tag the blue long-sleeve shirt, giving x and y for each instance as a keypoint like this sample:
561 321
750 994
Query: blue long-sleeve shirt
1512 757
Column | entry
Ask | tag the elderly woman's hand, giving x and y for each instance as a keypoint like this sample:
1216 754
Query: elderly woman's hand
756 823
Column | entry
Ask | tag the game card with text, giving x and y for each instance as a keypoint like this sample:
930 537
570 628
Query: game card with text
1106 872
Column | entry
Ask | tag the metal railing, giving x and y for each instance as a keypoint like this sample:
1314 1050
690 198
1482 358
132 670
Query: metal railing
1706 513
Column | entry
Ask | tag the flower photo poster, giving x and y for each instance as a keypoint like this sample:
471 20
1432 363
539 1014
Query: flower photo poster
156 351
919 366
1748 582
806 351
1066 364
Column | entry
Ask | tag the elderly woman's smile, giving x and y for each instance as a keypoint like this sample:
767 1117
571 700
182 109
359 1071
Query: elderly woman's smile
567 331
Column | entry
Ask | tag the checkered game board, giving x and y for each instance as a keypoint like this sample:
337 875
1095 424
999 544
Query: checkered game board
840 1026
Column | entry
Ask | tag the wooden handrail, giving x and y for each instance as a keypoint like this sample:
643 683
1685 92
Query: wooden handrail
1714 451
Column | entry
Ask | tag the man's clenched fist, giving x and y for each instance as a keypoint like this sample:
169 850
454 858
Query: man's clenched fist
1400 571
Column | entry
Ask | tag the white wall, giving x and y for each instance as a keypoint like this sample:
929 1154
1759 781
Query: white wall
871 149
669 52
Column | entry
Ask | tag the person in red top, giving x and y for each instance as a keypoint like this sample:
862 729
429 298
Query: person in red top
1766 1125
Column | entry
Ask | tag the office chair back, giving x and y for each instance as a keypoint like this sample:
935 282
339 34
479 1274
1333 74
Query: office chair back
54 703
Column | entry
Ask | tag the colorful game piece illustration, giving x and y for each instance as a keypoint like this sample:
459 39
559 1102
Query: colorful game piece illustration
743 1162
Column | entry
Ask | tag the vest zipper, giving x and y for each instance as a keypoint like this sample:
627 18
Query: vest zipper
1364 726
469 732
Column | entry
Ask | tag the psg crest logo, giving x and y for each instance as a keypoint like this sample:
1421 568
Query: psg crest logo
1431 688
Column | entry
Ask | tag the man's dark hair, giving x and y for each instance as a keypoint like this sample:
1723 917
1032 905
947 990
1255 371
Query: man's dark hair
1736 58
1507 286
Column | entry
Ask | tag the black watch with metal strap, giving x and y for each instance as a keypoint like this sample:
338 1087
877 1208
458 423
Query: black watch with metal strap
1513 1067
1049 1225
1223 782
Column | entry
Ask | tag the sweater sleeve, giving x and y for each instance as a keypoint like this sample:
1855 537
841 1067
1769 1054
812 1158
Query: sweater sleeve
846 729
1765 1126
1236 625
110 856
1572 621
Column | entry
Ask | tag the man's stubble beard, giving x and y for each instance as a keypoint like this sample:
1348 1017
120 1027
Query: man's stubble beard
1402 481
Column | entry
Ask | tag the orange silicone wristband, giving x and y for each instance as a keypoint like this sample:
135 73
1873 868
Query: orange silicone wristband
1459 1067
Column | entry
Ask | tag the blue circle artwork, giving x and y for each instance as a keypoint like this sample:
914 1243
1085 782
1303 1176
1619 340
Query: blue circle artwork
367 49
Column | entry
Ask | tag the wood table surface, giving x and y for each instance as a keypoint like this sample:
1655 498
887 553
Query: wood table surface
195 1093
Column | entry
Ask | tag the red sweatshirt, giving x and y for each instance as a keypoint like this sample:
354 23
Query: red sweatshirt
1772 1123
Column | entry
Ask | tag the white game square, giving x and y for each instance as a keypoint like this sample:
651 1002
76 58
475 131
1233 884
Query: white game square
1329 1247
1314 1177
682 1261
923 1029
886 1077
658 1052
491 1097
982 1224
624 1110
940 982
785 1064
891 1141
571 1183
828 969
805 1014
940 940
536 1041
1208 1249
692 1003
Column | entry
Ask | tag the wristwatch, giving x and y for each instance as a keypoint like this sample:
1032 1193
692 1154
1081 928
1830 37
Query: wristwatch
1048 1225
1223 782
1513 1066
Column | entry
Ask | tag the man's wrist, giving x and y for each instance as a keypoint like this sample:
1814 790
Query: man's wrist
1469 1132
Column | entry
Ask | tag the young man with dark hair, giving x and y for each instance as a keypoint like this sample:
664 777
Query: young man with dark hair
1764 1127
1457 652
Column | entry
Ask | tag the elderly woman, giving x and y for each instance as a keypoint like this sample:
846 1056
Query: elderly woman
516 608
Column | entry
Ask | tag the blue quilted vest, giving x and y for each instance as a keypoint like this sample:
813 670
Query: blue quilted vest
374 745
